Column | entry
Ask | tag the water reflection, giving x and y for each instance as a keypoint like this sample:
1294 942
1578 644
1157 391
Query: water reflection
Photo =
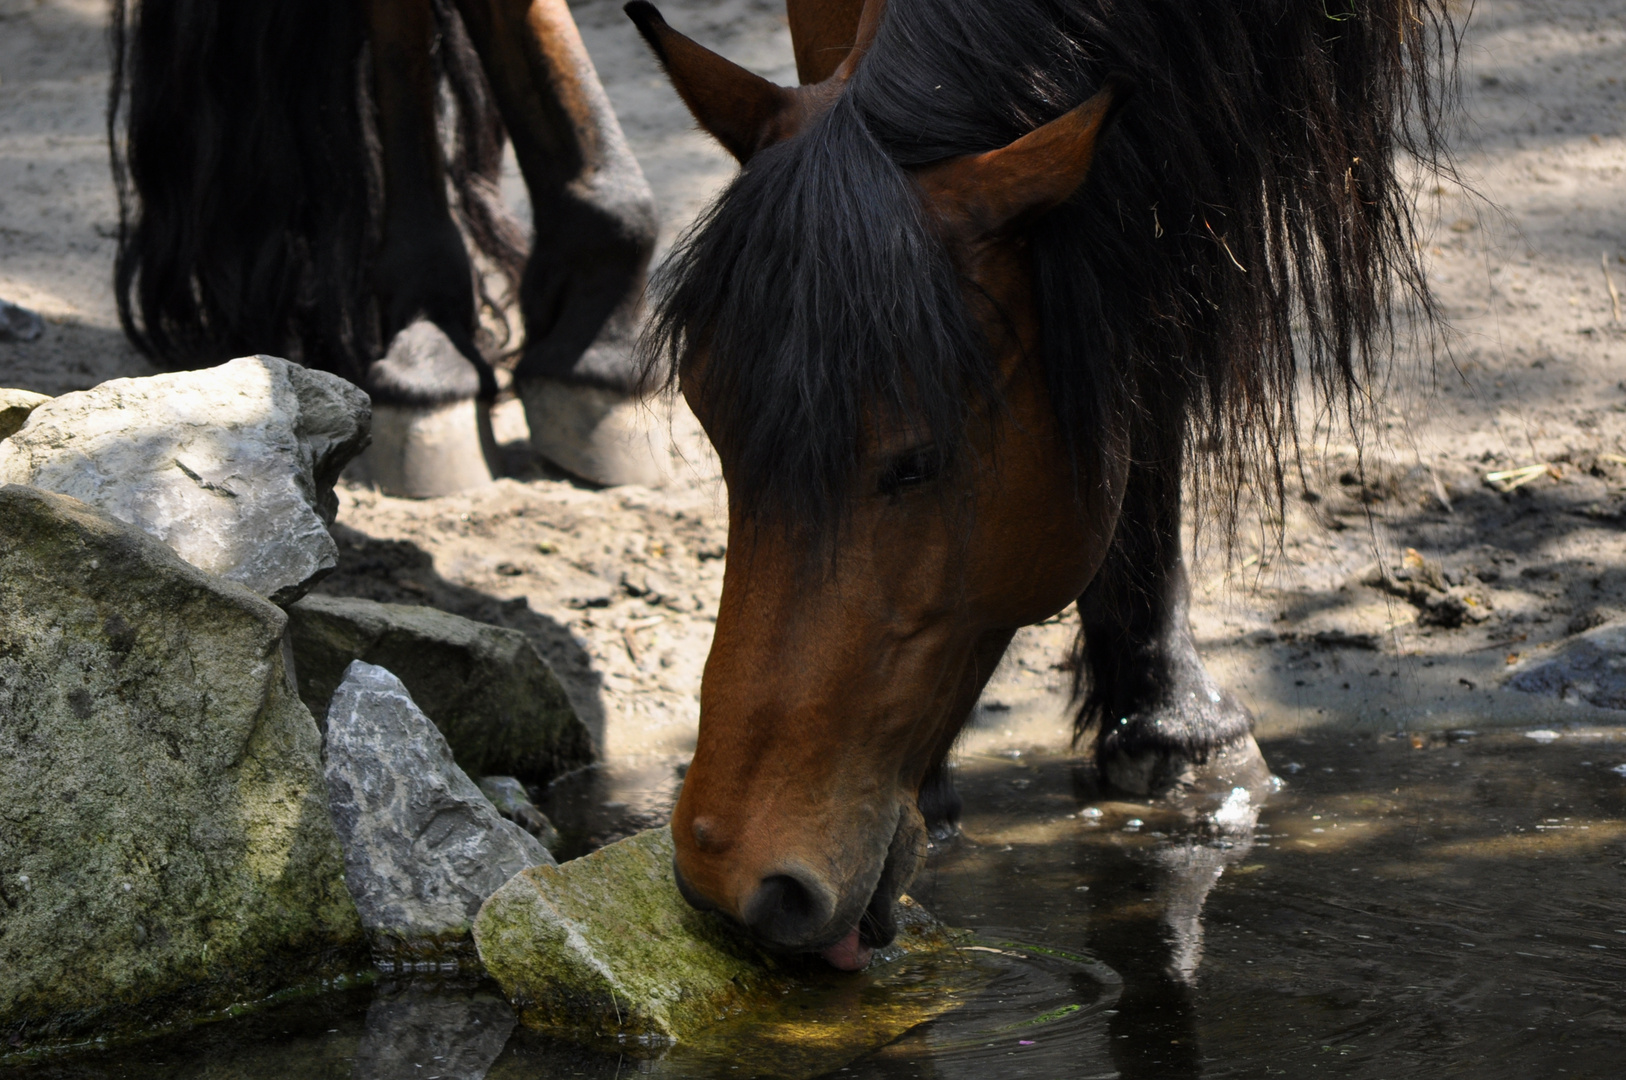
1152 875
433 1030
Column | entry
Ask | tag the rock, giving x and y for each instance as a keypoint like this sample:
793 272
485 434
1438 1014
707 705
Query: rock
1590 667
422 847
604 944
446 1032
19 324
15 405
233 467
486 688
165 848
513 802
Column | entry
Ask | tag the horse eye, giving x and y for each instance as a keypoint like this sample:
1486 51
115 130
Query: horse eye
910 469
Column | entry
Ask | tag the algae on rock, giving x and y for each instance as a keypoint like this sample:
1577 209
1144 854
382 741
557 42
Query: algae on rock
605 946
165 848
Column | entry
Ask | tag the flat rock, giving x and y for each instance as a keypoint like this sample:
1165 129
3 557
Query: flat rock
1590 667
605 947
485 687
423 848
233 466
165 848
15 405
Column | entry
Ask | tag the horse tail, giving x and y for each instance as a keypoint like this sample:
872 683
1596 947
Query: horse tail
242 166
474 166
247 170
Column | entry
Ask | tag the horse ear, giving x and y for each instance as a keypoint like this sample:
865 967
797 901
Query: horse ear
740 109
983 195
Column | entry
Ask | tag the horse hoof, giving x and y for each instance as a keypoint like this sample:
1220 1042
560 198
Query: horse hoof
1183 778
424 451
597 434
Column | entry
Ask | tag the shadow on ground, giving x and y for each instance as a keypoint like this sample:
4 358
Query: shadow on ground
400 572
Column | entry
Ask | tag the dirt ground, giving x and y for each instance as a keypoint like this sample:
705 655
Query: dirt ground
1406 587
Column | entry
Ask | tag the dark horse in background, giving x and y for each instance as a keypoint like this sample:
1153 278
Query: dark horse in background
283 183
985 282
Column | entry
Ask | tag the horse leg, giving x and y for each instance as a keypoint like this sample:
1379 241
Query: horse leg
594 218
432 390
1161 721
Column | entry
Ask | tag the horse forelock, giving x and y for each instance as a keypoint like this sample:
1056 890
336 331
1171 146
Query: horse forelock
823 304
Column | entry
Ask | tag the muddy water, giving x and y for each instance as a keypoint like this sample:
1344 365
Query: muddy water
1404 906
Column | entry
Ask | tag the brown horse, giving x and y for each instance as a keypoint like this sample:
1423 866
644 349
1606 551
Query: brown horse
284 189
982 282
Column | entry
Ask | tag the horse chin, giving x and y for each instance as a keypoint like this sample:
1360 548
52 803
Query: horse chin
878 924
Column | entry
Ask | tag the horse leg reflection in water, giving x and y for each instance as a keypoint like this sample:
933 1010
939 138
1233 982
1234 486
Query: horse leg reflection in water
984 281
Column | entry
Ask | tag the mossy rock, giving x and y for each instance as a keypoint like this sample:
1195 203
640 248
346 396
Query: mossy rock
165 847
605 948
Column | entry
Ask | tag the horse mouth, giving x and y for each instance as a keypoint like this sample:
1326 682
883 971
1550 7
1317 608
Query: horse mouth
850 953
874 927
877 926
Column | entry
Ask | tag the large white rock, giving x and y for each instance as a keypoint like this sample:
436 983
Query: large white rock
233 467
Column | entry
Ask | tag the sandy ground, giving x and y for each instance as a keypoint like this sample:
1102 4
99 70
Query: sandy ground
620 587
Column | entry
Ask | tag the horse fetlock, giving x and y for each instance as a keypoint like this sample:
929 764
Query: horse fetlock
423 271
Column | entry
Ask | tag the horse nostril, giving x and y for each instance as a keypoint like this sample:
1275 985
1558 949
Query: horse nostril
787 911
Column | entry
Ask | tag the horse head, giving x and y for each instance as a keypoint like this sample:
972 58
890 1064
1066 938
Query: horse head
868 597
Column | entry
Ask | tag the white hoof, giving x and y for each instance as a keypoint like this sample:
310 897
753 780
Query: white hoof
423 451
596 434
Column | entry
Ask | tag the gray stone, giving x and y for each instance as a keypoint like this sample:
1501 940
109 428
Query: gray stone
432 1031
15 405
19 324
513 802
165 848
1590 667
486 688
233 467
422 847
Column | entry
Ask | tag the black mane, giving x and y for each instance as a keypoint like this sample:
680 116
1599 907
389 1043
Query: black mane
1243 225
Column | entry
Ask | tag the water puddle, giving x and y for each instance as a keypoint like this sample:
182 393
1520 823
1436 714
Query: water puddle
1449 905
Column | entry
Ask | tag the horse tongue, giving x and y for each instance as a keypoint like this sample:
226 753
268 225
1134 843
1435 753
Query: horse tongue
848 954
